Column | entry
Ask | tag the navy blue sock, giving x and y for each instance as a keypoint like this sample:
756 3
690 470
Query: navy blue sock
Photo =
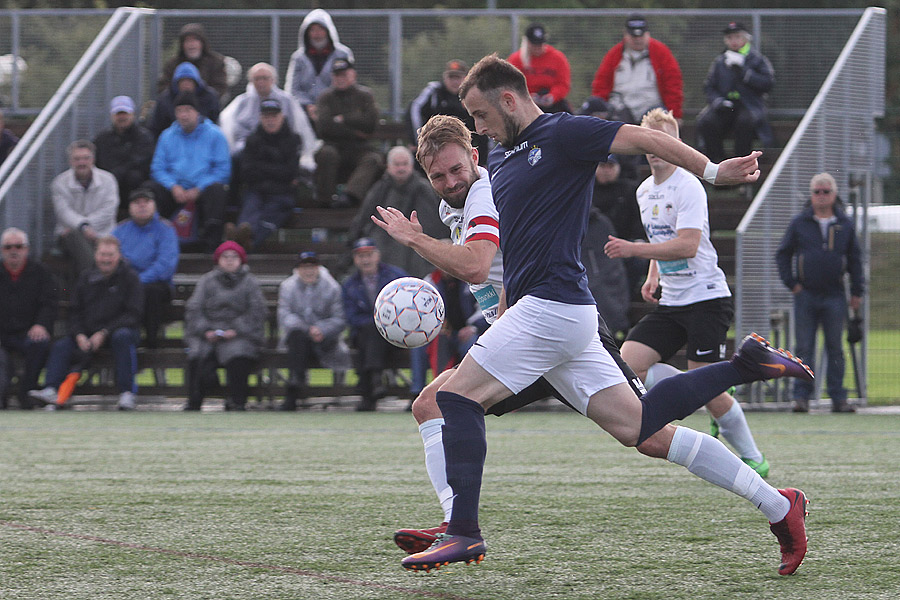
679 396
465 447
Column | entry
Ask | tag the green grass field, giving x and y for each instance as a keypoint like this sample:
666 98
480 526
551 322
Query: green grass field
156 505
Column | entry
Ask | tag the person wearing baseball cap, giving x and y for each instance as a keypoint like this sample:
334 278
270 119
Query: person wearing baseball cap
442 98
347 117
311 317
150 245
736 89
269 174
638 74
373 353
125 150
224 326
546 69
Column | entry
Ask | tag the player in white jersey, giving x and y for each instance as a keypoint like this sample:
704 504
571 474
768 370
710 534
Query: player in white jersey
695 308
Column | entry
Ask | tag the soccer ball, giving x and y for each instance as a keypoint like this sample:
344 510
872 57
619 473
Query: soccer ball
409 312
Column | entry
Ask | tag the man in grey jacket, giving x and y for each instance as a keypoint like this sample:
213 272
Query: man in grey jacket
311 318
85 200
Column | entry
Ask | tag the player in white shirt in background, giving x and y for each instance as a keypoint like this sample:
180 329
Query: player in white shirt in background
695 308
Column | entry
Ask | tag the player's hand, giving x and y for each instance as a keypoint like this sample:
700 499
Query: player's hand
648 291
84 344
398 226
315 334
38 333
618 248
96 340
738 170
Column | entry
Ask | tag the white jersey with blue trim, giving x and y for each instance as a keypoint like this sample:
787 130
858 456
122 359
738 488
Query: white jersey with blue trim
680 202
479 220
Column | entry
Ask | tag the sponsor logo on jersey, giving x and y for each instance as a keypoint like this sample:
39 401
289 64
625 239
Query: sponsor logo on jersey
519 147
534 155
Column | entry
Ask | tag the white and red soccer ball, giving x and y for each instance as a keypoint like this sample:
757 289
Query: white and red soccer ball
409 312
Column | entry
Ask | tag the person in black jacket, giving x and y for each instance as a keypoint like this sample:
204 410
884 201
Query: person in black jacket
125 150
736 88
442 98
28 302
270 172
819 246
106 310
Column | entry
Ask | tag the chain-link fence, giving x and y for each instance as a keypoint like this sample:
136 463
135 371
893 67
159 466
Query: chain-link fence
836 135
398 52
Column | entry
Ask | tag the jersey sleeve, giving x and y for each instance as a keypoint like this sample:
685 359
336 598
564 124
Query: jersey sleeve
587 138
482 221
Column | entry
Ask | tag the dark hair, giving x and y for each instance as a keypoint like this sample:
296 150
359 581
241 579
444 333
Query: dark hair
491 75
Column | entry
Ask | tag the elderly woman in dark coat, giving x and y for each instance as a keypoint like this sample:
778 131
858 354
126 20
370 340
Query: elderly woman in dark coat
224 327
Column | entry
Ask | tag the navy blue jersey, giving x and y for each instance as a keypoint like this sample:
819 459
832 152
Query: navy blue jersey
542 188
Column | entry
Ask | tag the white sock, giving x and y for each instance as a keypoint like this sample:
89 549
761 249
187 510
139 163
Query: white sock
733 427
659 371
709 459
432 438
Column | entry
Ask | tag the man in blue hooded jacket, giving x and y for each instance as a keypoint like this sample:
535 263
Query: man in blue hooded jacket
190 169
819 246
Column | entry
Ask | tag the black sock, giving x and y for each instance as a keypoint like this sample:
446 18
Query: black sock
679 396
465 448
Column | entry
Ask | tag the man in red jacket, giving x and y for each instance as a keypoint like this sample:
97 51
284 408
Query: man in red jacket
546 70
638 74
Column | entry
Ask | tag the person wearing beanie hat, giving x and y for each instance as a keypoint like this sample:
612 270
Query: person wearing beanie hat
230 245
125 150
638 74
736 89
186 79
224 325
311 321
546 70
191 167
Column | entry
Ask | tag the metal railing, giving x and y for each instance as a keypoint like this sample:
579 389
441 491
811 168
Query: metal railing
837 135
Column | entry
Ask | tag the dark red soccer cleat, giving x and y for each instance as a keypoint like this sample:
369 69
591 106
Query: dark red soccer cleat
445 550
418 540
791 531
757 360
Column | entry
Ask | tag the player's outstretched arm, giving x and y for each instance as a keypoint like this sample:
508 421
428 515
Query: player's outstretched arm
632 139
470 262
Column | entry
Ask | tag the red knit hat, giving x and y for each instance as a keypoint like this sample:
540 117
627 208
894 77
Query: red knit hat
230 245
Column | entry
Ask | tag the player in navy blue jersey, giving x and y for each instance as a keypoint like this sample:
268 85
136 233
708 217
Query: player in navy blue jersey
541 176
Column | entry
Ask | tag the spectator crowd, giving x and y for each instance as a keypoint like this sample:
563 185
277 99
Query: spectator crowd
202 171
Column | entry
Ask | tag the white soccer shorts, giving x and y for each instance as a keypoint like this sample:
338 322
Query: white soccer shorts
538 337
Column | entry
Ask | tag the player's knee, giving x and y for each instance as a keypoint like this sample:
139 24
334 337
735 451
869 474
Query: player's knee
425 407
653 447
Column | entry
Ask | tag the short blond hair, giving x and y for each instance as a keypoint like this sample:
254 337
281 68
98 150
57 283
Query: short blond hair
439 131
659 117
